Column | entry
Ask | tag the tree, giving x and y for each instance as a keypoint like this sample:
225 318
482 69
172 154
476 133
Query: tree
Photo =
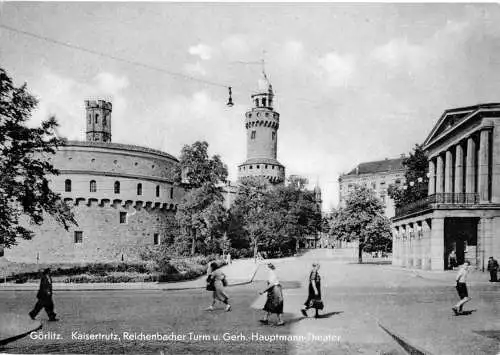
196 168
250 210
363 219
274 218
201 214
24 185
416 179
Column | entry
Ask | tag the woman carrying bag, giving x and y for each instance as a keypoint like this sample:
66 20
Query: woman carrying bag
274 302
216 281
314 294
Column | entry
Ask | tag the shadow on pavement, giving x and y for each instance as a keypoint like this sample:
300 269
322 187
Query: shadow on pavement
493 334
467 313
329 314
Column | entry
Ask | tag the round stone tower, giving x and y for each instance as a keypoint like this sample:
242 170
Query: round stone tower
262 124
98 120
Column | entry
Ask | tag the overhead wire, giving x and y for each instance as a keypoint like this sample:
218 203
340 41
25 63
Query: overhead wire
111 56
144 65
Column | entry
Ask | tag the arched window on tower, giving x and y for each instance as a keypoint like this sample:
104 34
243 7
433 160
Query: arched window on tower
252 136
90 118
67 185
264 102
96 118
117 187
93 186
104 121
157 190
139 189
257 102
273 135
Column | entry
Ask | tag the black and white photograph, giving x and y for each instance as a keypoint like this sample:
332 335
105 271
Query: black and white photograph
249 178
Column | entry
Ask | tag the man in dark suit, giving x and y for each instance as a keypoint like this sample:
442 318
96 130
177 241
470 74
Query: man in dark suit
493 269
44 296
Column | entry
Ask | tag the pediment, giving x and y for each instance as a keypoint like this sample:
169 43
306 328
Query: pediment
453 118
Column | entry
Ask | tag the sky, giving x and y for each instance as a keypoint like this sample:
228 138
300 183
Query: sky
353 82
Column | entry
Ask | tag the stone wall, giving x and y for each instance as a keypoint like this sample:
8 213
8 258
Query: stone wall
104 238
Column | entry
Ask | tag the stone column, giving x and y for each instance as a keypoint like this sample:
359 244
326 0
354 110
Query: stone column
483 166
439 174
395 246
470 174
432 177
437 244
448 173
459 169
426 238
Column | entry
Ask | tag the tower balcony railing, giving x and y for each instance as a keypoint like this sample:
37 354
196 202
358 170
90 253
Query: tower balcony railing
439 198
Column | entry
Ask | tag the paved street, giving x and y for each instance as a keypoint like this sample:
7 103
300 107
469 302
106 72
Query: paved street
358 298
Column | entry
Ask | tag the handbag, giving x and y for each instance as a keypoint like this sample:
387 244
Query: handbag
318 304
210 283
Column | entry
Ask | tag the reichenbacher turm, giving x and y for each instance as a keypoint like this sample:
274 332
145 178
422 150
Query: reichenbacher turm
262 124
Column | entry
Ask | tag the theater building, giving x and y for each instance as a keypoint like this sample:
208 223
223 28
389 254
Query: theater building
462 210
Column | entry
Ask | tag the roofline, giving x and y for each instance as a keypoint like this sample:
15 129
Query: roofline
118 146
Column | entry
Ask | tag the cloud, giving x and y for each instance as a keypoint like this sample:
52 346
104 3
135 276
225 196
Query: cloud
294 50
399 52
195 69
236 46
110 84
339 69
64 97
202 50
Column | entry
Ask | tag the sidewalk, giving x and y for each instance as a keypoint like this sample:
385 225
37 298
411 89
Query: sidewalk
475 277
239 272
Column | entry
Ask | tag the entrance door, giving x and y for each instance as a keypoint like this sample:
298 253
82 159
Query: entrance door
460 236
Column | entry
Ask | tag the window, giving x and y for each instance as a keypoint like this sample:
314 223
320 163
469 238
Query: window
117 187
67 185
93 186
123 217
104 121
78 237
156 239
273 167
264 102
157 191
90 118
257 102
273 136
251 166
139 189
252 135
266 166
96 118
171 192
258 167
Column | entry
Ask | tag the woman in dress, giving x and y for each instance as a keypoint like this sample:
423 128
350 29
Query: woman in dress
219 281
274 303
314 294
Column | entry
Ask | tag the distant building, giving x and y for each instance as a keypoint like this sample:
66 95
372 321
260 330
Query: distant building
377 175
462 211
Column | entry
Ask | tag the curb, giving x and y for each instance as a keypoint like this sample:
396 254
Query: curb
158 288
203 287
16 337
409 348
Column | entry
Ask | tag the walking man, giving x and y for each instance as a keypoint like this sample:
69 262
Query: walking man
44 296
493 269
462 288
